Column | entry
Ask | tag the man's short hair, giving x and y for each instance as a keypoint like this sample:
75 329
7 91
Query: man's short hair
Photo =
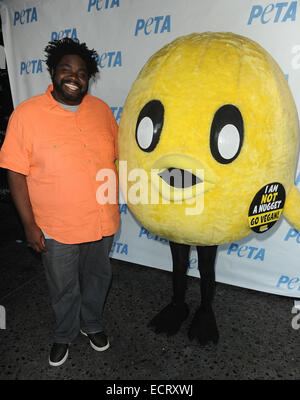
57 49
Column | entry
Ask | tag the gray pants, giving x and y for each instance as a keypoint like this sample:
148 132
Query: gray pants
78 276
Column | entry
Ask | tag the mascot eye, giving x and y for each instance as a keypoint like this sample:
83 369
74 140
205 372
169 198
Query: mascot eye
226 134
149 125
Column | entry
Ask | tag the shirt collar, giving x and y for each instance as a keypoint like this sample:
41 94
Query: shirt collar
52 102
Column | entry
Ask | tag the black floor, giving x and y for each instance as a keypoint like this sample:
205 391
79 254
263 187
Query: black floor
257 340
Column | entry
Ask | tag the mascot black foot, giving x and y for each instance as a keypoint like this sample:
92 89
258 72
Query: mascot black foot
169 320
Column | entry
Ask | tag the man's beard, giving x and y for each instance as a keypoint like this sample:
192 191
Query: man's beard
77 96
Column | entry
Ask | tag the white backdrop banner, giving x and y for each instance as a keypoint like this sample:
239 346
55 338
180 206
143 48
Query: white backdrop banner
125 33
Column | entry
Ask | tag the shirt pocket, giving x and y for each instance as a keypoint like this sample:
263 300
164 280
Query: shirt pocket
54 157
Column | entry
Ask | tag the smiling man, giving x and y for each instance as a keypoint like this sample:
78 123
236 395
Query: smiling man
55 145
70 89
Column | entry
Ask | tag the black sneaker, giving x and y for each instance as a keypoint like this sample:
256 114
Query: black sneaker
58 354
98 341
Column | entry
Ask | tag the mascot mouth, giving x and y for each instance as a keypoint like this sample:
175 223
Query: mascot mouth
180 177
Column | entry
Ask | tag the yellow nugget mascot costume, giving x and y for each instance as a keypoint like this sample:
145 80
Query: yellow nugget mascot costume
210 128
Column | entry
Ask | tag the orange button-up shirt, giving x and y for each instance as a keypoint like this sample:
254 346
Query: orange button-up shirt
61 152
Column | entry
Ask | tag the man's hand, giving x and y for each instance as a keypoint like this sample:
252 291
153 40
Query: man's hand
35 238
19 191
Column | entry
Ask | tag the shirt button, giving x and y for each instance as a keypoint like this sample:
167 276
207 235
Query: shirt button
84 145
89 161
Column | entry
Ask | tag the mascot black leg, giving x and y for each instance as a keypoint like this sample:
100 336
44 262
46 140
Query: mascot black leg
171 317
204 326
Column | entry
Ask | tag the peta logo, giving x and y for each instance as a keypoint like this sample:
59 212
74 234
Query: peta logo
69 33
145 233
25 16
274 12
193 263
290 283
123 209
119 248
102 4
110 59
251 252
31 67
154 25
292 234
117 111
